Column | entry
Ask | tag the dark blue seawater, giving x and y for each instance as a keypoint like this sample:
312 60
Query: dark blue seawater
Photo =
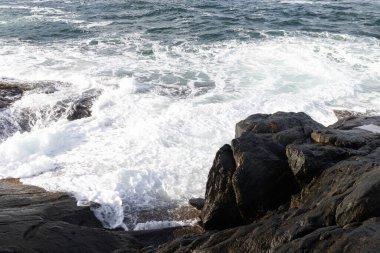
174 77
172 22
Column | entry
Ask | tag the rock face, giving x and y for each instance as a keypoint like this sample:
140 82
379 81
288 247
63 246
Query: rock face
299 187
308 160
220 201
23 119
34 220
254 168
81 108
9 94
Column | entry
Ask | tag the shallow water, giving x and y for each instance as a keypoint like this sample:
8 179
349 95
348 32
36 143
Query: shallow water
175 78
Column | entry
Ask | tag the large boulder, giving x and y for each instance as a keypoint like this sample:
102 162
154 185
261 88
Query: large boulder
220 209
259 168
260 154
262 171
277 122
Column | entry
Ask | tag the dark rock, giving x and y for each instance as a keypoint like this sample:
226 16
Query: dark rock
9 94
363 237
262 171
220 209
308 224
308 161
337 209
34 220
81 108
347 115
355 138
198 203
277 122
355 121
363 202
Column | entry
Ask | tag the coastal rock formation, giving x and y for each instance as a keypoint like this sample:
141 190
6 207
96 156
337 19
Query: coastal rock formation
23 119
9 94
285 184
220 201
254 168
81 107
34 220
334 206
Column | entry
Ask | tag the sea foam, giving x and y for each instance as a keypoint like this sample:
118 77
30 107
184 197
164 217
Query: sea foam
164 111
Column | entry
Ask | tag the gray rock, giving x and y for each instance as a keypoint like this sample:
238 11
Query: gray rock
34 220
349 123
198 203
262 171
9 94
220 209
81 108
307 160
307 224
277 122
355 138
363 202
336 211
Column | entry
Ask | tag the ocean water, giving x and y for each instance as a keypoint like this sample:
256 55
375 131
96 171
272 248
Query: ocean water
175 77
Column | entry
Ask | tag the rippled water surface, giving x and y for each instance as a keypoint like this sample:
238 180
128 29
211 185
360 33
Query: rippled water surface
174 76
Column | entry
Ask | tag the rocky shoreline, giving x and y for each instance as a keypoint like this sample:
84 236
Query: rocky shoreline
35 220
288 184
285 184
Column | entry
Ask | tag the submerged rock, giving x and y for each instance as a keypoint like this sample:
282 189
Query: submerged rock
81 108
9 93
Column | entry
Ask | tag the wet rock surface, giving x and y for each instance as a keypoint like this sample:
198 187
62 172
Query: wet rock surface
81 107
220 200
34 220
9 94
335 209
22 118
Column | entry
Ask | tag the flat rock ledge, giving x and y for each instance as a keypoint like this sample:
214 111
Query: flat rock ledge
288 184
34 220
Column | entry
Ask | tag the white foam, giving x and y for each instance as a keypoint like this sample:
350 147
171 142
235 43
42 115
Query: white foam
140 149
163 224
97 24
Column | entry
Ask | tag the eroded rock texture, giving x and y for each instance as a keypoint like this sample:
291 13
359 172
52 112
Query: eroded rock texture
299 187
34 220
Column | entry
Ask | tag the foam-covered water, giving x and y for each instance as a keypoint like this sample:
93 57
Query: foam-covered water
175 78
